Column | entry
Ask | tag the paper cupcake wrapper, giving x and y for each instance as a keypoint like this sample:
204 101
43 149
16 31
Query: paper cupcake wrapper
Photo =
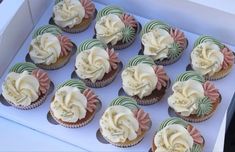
100 83
62 61
78 28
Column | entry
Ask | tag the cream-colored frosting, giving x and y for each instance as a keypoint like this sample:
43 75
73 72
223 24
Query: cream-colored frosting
139 80
207 58
118 124
69 104
185 96
156 43
109 29
68 13
173 138
92 64
45 49
20 88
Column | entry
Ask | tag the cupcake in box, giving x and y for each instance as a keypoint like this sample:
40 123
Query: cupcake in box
116 28
124 123
74 105
49 49
73 16
211 58
144 81
96 64
26 86
162 42
193 98
176 135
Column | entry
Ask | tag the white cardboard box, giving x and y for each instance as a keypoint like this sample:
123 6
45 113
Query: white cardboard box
16 24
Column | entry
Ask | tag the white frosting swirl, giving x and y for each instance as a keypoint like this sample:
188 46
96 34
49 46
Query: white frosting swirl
109 29
92 64
45 49
20 88
173 138
68 13
185 96
69 104
139 80
156 43
207 58
118 124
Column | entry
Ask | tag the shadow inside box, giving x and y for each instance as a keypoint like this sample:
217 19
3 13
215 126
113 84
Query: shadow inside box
229 141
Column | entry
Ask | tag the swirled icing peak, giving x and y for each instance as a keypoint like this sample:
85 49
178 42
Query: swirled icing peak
228 58
161 75
66 45
143 119
44 81
91 99
190 75
89 8
211 91
197 138
113 58
178 37
129 20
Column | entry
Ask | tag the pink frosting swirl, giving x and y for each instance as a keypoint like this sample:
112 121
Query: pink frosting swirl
161 75
66 45
178 37
228 58
197 138
211 91
143 119
113 58
44 81
129 20
91 99
89 8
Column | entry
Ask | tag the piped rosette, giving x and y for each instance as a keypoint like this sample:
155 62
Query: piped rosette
211 58
73 16
174 134
193 98
74 104
49 49
163 43
122 31
144 81
26 86
124 123
96 64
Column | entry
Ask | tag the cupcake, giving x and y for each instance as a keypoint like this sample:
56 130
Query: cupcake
116 28
26 86
49 49
193 98
144 81
124 123
161 42
73 16
177 135
96 64
211 58
74 105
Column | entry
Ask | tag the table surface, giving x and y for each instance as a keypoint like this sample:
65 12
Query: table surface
34 139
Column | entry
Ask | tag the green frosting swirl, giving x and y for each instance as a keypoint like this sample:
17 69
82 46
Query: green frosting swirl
154 24
109 10
205 38
196 148
24 66
204 107
140 59
172 120
73 83
47 29
57 1
190 75
174 51
88 44
126 102
128 34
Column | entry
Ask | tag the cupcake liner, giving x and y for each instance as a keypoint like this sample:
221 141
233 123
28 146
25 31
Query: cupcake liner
219 75
103 82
